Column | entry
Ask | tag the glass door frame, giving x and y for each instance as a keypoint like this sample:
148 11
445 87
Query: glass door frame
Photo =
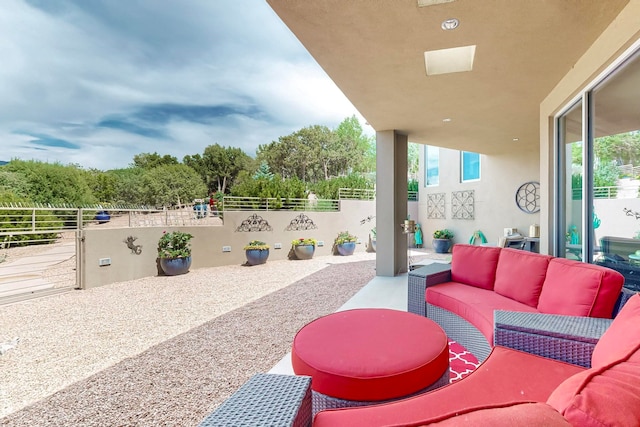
559 214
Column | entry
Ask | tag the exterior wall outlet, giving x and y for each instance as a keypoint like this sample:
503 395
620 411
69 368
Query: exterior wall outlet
226 249
277 246
320 242
103 262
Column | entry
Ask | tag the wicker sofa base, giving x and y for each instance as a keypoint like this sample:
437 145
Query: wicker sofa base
320 402
460 330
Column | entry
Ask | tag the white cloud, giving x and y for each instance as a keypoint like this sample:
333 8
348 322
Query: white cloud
69 64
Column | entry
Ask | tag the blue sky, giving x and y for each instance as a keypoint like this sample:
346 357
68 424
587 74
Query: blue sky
95 82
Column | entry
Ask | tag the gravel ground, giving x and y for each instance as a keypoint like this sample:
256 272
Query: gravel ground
162 350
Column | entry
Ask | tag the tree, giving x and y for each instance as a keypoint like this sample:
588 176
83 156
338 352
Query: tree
127 185
150 161
413 160
102 184
219 166
357 146
171 184
53 183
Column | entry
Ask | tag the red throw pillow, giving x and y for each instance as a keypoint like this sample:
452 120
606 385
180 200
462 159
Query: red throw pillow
474 265
575 288
512 283
621 338
605 396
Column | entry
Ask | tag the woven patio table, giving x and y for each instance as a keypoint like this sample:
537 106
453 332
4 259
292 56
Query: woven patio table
365 356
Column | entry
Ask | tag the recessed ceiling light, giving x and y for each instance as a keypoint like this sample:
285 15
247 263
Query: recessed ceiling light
453 60
425 3
516 139
447 120
450 24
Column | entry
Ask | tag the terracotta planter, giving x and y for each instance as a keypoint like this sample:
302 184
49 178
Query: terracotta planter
346 248
175 266
257 256
441 246
304 251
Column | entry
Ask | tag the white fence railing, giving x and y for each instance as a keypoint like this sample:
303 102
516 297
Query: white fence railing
613 192
232 203
364 194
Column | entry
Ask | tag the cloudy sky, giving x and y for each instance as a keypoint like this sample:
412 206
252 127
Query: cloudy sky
95 82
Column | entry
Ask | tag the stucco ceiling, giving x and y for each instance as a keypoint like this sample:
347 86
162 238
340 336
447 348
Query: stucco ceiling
374 51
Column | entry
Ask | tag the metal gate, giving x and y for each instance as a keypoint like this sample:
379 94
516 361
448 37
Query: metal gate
37 251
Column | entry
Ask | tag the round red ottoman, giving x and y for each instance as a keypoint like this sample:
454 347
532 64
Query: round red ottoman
363 356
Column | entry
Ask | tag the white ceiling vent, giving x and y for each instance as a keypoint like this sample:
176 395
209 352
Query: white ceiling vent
454 60
424 3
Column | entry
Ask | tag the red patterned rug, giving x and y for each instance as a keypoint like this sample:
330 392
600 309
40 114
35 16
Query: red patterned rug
461 361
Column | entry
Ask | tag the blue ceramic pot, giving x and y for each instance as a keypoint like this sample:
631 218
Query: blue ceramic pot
346 248
102 217
304 251
257 256
441 246
175 266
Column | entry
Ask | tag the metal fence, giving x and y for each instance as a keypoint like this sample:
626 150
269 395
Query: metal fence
365 194
231 203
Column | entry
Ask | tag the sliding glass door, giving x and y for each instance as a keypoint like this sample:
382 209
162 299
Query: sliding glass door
598 174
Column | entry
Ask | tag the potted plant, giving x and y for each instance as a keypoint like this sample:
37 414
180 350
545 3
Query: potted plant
345 243
257 252
304 248
442 241
174 252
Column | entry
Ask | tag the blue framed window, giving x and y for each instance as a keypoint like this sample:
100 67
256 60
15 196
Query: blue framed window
432 166
469 166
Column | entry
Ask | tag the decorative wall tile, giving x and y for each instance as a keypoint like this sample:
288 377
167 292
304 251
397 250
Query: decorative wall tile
462 204
436 206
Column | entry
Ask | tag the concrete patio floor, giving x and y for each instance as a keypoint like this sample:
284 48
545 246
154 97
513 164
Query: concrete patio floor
381 292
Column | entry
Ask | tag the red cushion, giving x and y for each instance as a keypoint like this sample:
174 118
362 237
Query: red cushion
474 265
521 414
504 378
621 338
370 354
475 305
604 396
578 289
512 283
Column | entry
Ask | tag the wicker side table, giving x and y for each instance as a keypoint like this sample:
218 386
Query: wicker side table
266 400
421 278
570 339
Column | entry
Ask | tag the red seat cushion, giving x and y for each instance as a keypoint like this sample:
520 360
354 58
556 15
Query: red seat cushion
512 283
578 289
371 354
520 414
474 265
473 304
506 377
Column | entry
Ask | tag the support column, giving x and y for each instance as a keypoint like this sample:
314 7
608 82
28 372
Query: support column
391 202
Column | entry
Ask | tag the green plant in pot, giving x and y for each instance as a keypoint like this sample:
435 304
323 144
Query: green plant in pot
303 248
257 252
174 252
345 243
442 241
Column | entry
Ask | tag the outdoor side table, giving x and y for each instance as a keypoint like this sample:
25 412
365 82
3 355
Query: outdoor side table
418 281
266 399
364 356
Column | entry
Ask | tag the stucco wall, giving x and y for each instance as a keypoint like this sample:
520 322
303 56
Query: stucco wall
494 194
357 217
